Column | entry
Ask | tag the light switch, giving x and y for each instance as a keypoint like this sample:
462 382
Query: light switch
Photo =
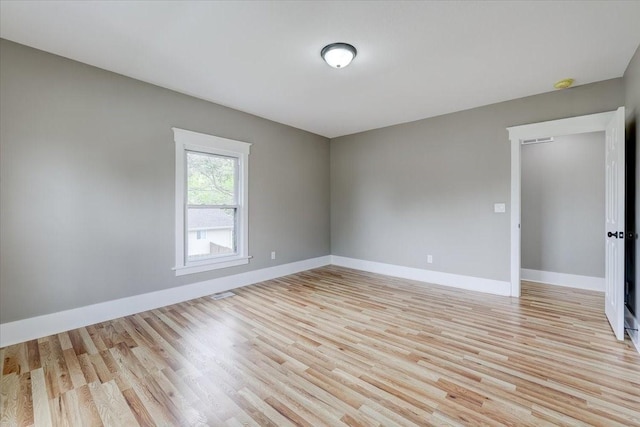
499 208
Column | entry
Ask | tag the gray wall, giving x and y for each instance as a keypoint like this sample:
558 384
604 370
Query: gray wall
563 205
632 103
428 187
87 184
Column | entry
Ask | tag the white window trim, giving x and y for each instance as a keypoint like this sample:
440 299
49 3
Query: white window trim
194 141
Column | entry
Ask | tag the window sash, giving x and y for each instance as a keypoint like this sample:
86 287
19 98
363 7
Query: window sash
234 239
236 172
235 207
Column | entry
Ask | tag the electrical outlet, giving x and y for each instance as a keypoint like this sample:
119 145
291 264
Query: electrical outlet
430 259
273 255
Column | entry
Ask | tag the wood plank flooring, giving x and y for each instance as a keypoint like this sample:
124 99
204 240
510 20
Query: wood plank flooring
334 346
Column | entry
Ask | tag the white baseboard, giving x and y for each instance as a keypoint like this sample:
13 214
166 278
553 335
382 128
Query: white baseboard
560 279
631 327
438 278
48 324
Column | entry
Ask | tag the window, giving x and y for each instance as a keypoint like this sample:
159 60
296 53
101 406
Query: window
211 202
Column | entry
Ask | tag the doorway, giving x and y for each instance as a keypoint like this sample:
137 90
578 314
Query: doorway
613 124
563 210
632 310
517 134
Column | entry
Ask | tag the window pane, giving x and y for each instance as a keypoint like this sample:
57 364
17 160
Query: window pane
211 179
210 233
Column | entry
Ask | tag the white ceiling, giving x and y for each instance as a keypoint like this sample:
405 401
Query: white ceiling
415 59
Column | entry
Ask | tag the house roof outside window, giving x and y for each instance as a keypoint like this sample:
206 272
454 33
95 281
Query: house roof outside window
206 219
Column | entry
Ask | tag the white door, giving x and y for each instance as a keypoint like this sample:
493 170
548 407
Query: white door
614 239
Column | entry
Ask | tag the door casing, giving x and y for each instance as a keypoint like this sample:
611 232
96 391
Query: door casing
569 126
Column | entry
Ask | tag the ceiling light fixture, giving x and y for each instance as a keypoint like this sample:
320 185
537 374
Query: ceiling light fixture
338 55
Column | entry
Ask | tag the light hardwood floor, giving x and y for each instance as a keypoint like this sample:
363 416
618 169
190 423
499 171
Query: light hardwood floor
334 346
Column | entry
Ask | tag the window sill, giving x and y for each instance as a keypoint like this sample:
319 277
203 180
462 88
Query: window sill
211 265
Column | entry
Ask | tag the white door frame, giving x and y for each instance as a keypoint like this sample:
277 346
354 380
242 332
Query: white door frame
573 125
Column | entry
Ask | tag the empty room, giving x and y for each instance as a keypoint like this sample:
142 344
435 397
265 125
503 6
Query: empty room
319 213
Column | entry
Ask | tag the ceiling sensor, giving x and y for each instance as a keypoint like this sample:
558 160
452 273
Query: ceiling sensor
563 84
537 140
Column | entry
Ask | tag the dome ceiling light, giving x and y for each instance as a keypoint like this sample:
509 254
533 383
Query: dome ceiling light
338 55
